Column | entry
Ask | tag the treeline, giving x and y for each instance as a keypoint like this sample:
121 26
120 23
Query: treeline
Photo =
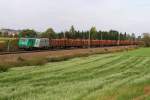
76 34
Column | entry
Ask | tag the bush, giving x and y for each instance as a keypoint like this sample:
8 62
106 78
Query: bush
57 59
146 39
3 68
3 45
13 44
35 62
20 59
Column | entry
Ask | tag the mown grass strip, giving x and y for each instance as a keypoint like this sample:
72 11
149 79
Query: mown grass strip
120 76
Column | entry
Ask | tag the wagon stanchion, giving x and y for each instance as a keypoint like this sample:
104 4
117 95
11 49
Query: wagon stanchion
101 40
89 39
118 39
8 46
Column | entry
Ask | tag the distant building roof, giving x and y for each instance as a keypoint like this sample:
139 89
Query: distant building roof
9 31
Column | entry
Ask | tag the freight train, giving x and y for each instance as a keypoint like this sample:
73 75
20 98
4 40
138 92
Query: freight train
45 43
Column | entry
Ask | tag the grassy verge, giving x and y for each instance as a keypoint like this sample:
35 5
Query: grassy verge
40 61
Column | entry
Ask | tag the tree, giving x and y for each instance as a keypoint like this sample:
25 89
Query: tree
113 34
139 38
5 34
49 33
60 35
125 36
28 33
67 35
93 32
146 39
72 32
133 36
0 34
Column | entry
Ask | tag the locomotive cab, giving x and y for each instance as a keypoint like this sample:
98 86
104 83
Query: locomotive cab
26 43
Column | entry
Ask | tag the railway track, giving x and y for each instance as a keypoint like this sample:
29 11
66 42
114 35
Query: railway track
34 51
20 52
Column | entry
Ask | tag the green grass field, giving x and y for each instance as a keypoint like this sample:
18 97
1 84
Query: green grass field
117 76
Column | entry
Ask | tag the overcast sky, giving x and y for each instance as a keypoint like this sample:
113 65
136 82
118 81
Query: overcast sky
122 15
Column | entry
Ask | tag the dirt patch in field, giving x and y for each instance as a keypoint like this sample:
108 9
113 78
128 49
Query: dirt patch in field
108 98
147 90
139 98
12 58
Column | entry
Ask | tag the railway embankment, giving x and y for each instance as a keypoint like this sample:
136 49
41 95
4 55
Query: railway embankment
38 58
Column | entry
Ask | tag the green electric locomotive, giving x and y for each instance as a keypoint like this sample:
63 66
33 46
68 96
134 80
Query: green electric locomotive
33 43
